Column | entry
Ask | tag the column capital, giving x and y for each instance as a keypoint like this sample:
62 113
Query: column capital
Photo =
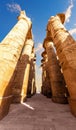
62 17
42 60
41 65
59 18
47 42
44 54
24 17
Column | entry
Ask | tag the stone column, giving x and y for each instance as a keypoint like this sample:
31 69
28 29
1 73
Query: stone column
65 46
56 77
43 87
22 74
48 83
30 80
10 49
46 87
31 83
33 62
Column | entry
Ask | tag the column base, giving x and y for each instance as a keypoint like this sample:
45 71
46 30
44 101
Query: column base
4 106
72 103
61 100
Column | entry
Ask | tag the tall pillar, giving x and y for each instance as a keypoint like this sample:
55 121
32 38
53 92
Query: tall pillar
43 87
46 85
65 46
20 85
31 83
10 49
33 63
56 77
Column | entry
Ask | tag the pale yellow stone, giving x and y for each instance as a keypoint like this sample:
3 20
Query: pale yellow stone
10 50
66 51
20 83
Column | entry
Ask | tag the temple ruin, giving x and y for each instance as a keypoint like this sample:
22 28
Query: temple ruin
18 60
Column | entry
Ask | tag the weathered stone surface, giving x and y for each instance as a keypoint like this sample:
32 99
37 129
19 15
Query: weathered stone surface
10 49
4 105
20 83
66 50
46 85
55 75
31 83
43 87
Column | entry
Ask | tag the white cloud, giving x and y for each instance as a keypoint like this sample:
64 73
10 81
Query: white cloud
39 47
75 24
68 12
72 31
13 7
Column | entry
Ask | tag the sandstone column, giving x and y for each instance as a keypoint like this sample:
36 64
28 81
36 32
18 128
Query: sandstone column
56 77
48 83
43 87
66 50
33 63
30 79
10 49
46 87
22 75
31 83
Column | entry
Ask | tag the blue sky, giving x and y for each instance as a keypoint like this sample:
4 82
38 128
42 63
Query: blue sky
39 11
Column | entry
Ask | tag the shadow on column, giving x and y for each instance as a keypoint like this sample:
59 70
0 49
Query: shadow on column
20 74
31 83
6 98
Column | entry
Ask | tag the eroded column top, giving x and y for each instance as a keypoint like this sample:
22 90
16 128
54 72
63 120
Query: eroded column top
44 54
56 21
48 43
23 16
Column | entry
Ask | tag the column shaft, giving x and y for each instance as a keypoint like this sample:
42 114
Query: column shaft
20 85
31 83
56 77
46 87
66 50
10 49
